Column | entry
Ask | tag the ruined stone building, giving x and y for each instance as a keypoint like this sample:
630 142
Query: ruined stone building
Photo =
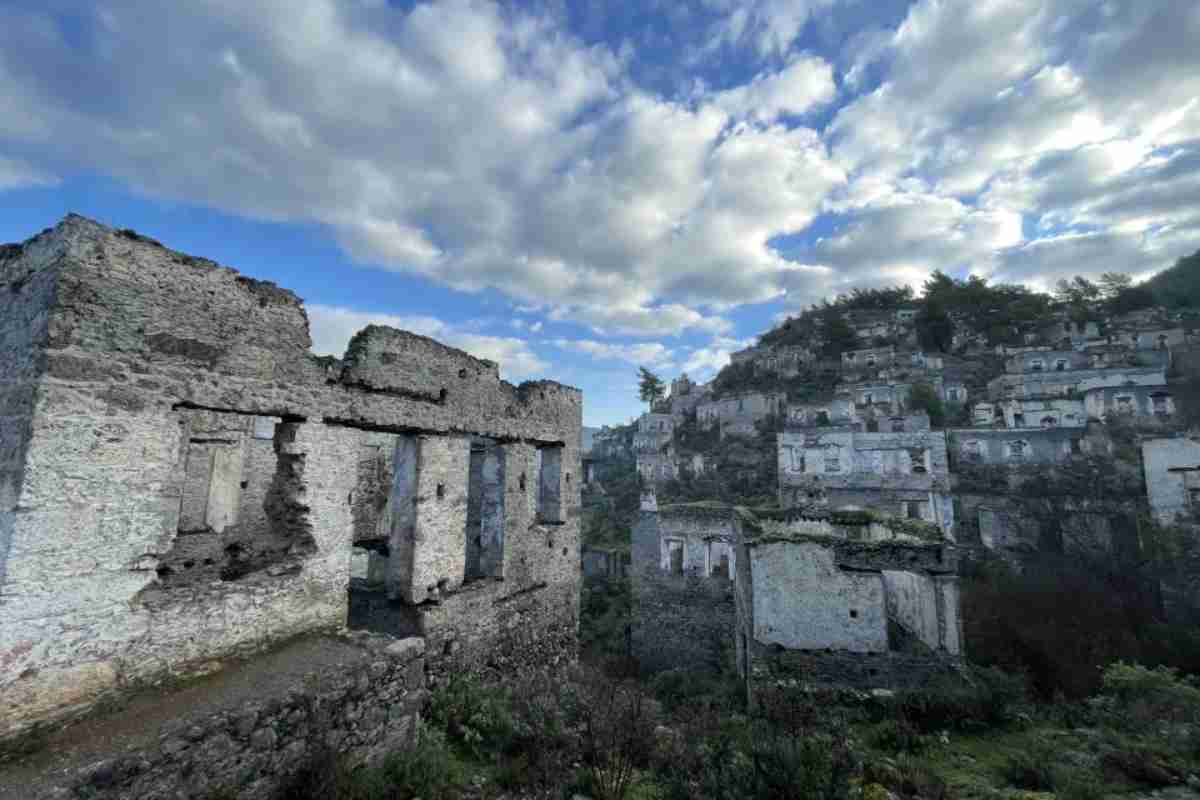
837 599
182 482
1172 468
1136 394
813 595
682 572
738 414
903 474
1014 447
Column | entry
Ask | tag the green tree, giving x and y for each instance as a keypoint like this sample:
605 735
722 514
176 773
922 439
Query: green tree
837 333
650 387
924 397
935 329
1113 283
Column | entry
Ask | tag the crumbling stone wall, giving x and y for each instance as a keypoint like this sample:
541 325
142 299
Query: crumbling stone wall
242 732
24 295
125 354
683 613
825 605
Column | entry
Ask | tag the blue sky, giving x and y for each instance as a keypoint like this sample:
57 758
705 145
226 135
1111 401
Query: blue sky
577 188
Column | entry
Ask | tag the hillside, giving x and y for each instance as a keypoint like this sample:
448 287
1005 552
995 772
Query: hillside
1178 286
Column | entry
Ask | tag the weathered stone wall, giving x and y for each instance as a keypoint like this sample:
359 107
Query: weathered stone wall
1032 446
150 354
241 732
680 620
892 670
1172 469
819 603
25 294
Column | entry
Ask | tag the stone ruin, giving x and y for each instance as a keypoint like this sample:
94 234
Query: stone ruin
183 483
808 595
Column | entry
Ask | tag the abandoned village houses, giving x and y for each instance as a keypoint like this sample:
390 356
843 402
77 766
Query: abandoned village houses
183 482
805 594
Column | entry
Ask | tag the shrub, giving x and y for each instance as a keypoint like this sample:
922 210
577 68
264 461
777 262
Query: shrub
476 716
615 732
428 770
984 697
899 736
1031 769
1147 695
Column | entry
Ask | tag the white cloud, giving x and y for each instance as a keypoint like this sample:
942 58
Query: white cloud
648 355
768 26
487 147
805 83
333 326
19 175
634 320
703 362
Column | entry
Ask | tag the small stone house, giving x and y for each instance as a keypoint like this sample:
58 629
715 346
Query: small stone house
842 600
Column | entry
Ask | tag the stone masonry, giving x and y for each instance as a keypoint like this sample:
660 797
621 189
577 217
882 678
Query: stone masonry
182 482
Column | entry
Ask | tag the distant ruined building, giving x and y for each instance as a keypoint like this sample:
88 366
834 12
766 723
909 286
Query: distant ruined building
183 484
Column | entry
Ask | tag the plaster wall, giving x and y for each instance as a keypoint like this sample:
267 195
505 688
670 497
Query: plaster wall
802 600
1172 468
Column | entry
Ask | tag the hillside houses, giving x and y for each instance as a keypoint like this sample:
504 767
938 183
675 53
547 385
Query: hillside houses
903 474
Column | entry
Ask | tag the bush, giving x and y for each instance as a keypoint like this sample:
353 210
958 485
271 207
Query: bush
899 736
984 698
475 716
1031 769
430 770
615 731
1148 695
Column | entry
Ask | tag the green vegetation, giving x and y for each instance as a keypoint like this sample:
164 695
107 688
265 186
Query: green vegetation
924 398
679 736
1179 286
650 387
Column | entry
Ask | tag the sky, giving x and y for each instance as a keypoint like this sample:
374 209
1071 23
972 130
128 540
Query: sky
575 189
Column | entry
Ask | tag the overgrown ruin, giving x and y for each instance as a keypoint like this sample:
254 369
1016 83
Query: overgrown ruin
182 482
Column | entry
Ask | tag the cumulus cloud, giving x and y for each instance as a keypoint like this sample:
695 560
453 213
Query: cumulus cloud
487 147
803 84
333 326
703 362
645 354
990 113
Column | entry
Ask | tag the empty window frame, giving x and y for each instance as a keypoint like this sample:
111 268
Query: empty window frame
485 511
675 556
550 500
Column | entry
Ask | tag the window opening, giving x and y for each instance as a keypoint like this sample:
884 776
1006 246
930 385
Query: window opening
550 506
675 550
